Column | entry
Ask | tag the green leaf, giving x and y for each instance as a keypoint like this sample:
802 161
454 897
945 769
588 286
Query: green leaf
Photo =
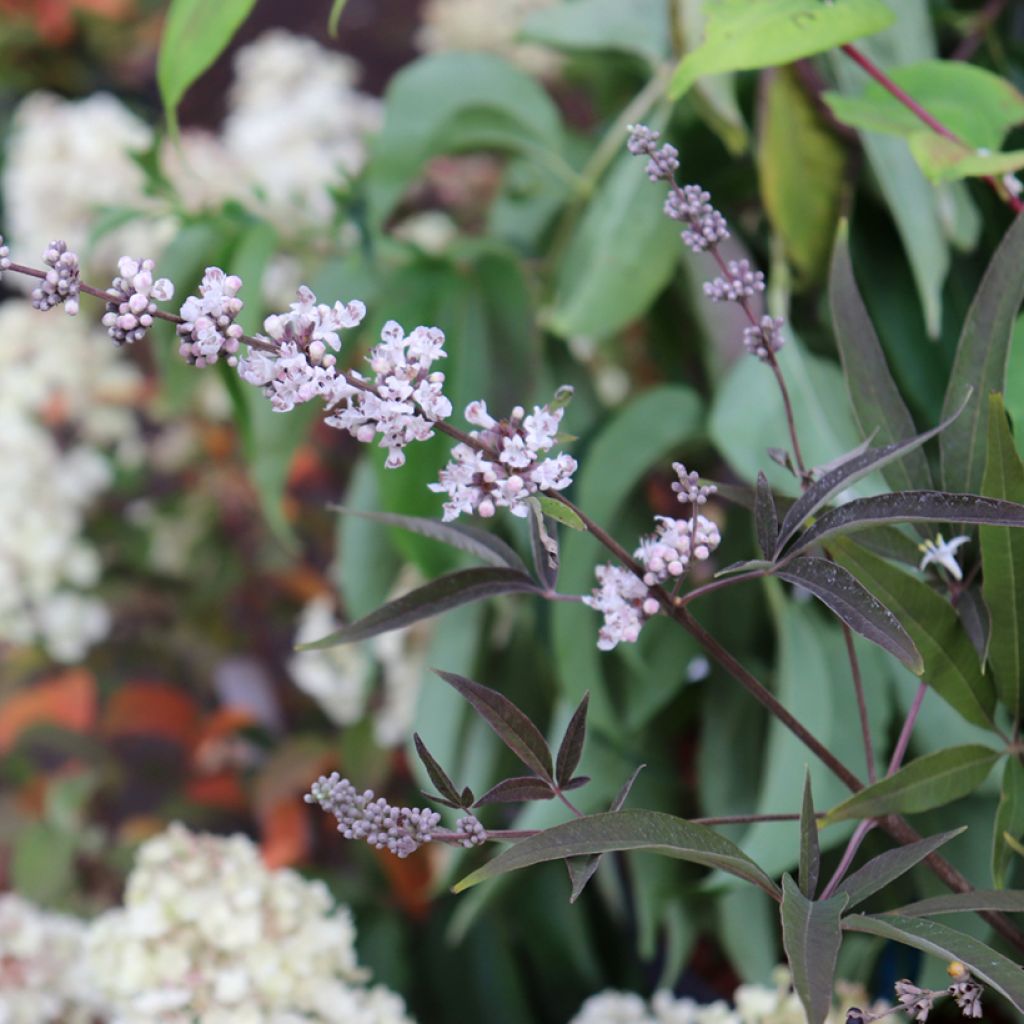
42 866
877 403
457 588
810 851
927 782
561 513
840 591
1009 821
811 935
981 360
878 872
335 17
1006 901
621 255
603 25
795 146
453 101
626 830
1002 558
742 36
195 34
512 727
988 966
944 160
972 102
911 507
950 661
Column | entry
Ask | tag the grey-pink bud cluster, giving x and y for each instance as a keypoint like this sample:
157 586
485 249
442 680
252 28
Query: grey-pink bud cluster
133 297
61 283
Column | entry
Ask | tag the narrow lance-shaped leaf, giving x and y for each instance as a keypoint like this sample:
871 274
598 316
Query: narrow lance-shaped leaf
1009 821
950 661
626 830
524 787
582 869
766 519
988 966
485 546
513 727
457 588
1007 901
438 776
887 867
570 750
877 403
854 605
982 356
848 472
812 935
911 507
810 850
1002 558
544 547
927 782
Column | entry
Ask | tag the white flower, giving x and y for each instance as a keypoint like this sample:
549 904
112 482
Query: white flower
942 552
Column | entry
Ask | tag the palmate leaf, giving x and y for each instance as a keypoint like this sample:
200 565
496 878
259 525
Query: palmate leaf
877 404
988 966
911 507
432 598
626 830
826 487
927 782
812 935
840 591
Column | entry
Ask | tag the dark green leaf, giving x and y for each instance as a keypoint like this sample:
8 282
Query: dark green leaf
888 866
911 507
742 36
438 776
980 365
857 607
195 34
1009 819
544 547
950 661
42 865
877 403
626 830
930 781
1002 558
514 729
988 966
811 935
517 790
830 484
432 598
570 750
486 546
810 850
766 519
1007 901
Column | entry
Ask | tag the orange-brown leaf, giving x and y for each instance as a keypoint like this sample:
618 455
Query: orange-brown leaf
153 709
285 833
67 700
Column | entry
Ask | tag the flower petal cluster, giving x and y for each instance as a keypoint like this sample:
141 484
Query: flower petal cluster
134 294
510 465
624 601
208 326
61 283
207 932
5 257
943 552
404 399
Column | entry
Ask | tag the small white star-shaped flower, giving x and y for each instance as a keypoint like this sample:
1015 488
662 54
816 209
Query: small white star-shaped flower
942 552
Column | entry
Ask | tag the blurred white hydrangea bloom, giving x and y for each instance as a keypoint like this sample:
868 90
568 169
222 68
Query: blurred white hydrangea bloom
491 27
42 975
57 371
66 160
208 933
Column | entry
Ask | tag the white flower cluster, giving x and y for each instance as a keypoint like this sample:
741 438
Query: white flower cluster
753 1004
407 398
57 372
209 327
134 294
208 933
42 976
493 27
512 467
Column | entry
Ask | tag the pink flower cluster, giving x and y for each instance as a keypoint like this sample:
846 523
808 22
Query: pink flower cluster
209 326
512 466
134 294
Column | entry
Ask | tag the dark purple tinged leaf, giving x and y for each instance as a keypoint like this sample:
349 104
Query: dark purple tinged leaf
570 750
